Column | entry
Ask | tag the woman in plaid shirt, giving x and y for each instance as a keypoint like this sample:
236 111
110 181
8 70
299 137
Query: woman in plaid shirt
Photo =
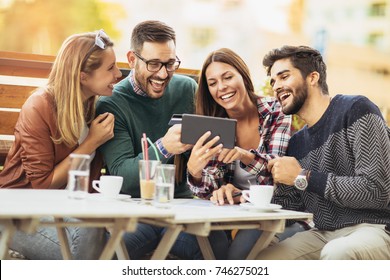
262 133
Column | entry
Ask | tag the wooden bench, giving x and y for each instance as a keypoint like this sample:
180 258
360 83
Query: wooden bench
20 74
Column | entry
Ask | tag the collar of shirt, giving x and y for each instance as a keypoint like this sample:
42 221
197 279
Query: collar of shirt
265 106
133 83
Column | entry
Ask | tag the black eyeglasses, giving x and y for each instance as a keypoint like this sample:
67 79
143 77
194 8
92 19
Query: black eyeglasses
155 65
98 42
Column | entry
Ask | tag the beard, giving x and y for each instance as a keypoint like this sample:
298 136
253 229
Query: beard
143 82
298 100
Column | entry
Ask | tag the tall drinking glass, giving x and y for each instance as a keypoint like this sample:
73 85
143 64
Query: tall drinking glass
78 176
165 185
147 177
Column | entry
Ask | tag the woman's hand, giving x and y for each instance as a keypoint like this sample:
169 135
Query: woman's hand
225 192
237 153
101 129
201 154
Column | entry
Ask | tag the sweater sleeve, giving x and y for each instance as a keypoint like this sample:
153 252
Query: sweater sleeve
368 187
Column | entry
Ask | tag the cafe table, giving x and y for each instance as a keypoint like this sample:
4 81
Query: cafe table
199 217
22 209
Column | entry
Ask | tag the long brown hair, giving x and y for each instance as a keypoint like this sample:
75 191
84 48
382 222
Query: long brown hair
205 104
77 54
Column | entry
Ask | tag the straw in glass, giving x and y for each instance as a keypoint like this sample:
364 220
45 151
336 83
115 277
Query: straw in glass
154 148
157 157
146 156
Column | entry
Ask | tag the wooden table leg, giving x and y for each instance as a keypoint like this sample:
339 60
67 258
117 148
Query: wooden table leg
115 243
270 228
205 247
121 251
5 238
64 243
167 242
263 242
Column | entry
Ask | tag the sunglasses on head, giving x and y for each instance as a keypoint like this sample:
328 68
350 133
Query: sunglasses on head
99 42
99 39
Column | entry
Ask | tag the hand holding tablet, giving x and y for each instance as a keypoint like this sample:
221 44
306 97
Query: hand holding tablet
194 126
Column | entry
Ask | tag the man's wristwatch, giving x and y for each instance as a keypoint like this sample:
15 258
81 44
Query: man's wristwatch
301 181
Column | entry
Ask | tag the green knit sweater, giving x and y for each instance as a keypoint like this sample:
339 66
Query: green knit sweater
135 115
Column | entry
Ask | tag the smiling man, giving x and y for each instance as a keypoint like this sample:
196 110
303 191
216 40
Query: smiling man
337 166
144 103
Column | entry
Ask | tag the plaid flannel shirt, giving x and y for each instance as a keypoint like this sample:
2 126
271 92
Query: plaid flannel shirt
275 133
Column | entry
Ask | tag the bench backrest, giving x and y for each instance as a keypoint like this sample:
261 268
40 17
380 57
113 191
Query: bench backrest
20 75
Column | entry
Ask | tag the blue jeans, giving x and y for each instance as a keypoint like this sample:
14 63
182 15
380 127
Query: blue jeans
84 243
246 239
147 237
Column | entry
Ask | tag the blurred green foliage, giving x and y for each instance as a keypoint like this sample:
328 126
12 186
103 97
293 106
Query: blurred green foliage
40 26
266 90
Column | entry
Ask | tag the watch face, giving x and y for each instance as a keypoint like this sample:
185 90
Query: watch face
301 182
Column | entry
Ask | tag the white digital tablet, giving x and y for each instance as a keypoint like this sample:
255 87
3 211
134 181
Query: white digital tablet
194 126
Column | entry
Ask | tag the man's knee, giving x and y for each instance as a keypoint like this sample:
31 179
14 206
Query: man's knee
338 249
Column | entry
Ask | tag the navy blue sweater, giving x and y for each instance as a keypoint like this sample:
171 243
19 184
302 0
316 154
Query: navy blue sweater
348 153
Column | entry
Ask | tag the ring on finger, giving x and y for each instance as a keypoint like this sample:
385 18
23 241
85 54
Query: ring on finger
206 151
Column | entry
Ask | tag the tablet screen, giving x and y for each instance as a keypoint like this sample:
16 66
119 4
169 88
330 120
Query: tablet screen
194 126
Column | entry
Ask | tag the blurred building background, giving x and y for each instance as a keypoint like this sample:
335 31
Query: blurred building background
353 35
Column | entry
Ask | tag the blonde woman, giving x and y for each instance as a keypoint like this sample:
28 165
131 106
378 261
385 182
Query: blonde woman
58 120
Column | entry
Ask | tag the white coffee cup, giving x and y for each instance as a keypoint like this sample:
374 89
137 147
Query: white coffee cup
109 186
259 195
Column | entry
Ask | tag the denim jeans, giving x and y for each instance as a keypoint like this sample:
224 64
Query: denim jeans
147 237
84 243
246 239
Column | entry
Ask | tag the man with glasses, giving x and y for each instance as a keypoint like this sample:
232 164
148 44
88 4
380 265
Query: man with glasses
144 103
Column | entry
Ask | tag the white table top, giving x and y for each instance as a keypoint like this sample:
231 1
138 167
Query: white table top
198 210
29 203
24 203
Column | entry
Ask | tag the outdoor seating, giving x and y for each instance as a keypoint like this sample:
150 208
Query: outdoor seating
20 74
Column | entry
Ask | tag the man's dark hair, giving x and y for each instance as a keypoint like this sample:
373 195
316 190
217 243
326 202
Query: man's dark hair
151 31
305 59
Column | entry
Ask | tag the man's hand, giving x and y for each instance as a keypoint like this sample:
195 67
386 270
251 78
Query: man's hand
172 141
284 170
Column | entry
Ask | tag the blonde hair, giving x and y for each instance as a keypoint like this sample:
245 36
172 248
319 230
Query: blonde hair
77 54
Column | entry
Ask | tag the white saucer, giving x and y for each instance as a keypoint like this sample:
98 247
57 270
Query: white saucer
269 208
123 197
